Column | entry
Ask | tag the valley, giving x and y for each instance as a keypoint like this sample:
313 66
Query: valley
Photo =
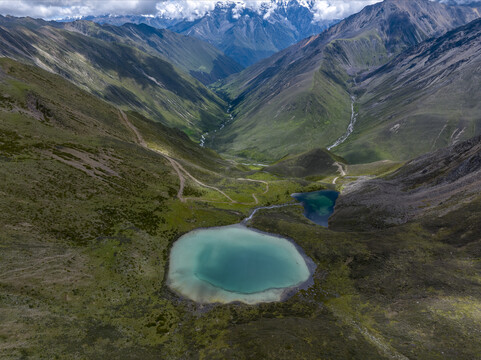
160 199
305 90
130 77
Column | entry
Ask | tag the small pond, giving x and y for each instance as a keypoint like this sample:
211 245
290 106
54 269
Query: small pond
235 263
318 205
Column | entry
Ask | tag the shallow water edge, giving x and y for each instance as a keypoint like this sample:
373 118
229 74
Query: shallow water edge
205 293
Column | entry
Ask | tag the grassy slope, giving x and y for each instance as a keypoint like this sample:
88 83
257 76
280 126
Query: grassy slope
85 249
314 164
317 111
299 99
313 113
87 219
411 290
118 73
196 57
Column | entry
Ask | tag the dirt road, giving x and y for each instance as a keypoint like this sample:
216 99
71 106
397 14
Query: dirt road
179 169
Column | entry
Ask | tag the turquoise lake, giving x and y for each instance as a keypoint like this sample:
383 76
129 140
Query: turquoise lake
235 263
318 205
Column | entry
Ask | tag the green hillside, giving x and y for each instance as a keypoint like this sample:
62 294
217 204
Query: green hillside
315 164
101 173
300 98
121 74
90 208
89 213
193 56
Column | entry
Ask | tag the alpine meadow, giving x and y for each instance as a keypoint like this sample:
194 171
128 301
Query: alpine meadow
275 179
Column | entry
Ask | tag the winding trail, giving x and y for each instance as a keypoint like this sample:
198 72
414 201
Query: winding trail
341 171
125 120
341 168
256 201
141 142
180 170
198 181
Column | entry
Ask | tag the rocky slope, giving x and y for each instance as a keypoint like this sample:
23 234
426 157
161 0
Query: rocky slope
249 35
433 185
424 99
300 98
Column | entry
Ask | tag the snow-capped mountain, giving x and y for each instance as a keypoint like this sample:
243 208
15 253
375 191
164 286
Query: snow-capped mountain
248 31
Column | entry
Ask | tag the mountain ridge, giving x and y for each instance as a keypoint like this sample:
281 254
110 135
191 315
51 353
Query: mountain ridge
246 33
119 73
305 90
424 99
197 58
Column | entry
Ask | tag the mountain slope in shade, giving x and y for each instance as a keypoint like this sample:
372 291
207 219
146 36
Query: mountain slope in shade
426 98
317 163
119 20
198 58
435 185
300 98
119 73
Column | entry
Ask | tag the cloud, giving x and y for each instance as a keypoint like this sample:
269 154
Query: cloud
189 9
192 9
330 10
184 9
56 9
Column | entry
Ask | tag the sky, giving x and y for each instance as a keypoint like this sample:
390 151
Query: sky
58 9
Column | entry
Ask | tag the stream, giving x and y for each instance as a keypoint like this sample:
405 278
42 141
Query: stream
246 220
318 206
203 137
350 127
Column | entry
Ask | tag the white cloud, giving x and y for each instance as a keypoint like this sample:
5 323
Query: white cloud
238 9
56 9
190 9
330 10
186 9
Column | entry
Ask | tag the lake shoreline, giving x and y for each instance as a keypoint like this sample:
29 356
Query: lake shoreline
283 293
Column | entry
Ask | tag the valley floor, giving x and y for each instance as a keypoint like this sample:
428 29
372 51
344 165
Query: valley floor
92 200
402 292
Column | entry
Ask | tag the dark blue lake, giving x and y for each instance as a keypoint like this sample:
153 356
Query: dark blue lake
318 205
